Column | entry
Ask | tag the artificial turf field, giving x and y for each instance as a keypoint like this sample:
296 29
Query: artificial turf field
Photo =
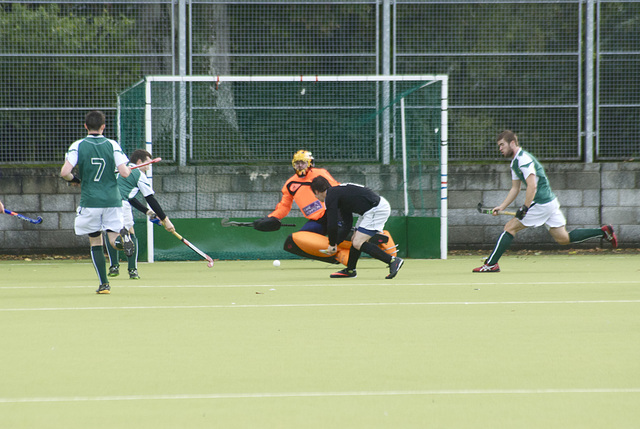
553 341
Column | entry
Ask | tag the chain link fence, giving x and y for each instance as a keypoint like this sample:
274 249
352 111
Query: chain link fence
60 60
512 64
618 91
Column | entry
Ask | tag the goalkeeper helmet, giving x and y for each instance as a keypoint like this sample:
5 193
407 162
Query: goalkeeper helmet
302 161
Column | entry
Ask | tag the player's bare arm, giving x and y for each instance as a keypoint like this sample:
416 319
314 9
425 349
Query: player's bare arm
124 170
168 225
66 174
511 196
532 188
65 171
529 196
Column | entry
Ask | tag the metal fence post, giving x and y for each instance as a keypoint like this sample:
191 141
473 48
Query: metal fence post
386 91
589 92
182 71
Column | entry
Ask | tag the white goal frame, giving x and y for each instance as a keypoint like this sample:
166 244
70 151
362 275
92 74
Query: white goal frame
386 145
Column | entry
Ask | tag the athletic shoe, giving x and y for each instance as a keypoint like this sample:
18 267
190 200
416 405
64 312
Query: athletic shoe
487 269
127 244
610 236
133 274
344 273
114 271
104 289
394 267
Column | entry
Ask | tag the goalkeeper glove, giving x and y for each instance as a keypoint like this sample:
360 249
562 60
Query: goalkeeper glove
267 224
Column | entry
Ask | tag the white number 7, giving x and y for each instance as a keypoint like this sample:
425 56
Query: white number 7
101 165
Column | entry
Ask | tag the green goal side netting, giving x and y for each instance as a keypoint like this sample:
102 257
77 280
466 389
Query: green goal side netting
234 120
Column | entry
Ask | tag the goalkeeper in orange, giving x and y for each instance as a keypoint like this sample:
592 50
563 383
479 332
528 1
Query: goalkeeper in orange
311 240
298 189
312 236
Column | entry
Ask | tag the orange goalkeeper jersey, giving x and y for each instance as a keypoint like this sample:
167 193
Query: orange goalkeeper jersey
298 189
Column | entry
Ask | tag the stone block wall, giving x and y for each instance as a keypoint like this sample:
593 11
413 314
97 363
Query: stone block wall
590 195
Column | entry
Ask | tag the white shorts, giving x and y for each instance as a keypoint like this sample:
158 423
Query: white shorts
127 215
375 218
547 214
93 219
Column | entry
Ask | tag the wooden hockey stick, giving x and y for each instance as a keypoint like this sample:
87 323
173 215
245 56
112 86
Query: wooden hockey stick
490 211
23 217
195 249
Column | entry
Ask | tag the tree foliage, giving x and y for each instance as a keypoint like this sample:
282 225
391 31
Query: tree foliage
513 65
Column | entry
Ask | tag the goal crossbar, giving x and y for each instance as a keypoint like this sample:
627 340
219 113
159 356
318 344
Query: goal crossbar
300 78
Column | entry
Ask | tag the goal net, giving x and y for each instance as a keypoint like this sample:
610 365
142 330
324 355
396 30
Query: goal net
400 120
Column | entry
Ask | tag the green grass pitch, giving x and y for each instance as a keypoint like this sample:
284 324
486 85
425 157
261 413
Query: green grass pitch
553 341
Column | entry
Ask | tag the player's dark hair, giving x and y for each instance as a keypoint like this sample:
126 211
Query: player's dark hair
139 155
94 120
320 184
508 136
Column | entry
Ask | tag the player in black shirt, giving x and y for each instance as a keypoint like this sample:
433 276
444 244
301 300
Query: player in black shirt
344 200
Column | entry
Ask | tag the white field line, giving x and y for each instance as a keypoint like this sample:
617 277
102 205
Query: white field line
341 284
318 394
355 304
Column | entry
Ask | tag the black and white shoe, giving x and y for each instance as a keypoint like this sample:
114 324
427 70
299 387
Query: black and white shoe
394 267
104 289
114 271
127 244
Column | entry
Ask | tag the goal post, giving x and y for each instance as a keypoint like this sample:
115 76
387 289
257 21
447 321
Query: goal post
194 120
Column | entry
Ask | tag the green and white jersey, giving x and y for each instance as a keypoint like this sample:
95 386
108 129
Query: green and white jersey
97 157
136 182
525 164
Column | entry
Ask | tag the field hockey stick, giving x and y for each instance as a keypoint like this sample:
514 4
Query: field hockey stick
490 211
226 223
195 249
153 161
23 217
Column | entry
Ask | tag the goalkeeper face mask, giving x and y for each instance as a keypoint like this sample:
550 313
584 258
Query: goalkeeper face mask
302 161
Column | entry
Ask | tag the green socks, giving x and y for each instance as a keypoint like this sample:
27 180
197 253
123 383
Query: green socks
132 260
575 236
582 234
114 256
504 242
99 263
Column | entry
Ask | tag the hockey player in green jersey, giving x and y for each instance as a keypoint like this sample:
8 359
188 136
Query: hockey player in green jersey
541 207
100 208
135 184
